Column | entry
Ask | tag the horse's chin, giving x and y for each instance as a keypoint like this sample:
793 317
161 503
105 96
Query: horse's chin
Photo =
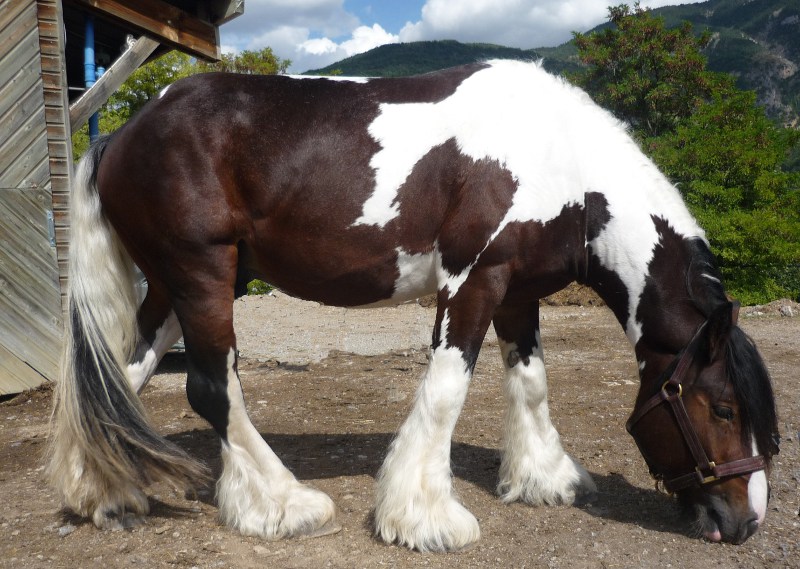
705 524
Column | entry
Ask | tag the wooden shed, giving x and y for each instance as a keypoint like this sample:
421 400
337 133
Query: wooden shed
42 99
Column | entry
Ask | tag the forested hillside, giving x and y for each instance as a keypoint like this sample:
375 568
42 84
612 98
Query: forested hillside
756 41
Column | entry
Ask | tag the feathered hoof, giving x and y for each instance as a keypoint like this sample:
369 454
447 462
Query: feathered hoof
298 511
568 484
442 527
124 514
115 520
309 513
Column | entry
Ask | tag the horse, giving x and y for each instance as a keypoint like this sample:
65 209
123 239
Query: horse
490 185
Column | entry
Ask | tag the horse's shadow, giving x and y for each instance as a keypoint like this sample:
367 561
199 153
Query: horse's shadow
323 456
314 456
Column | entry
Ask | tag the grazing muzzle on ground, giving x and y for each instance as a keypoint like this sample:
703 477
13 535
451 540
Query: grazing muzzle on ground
731 511
697 443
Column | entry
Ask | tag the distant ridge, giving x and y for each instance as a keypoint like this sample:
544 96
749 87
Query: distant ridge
757 41
401 59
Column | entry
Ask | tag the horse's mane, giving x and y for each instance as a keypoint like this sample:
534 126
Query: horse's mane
743 364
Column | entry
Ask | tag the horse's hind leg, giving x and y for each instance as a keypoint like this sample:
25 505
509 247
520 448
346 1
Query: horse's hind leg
256 493
534 467
158 331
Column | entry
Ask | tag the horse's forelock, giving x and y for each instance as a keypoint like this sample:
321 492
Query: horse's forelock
751 384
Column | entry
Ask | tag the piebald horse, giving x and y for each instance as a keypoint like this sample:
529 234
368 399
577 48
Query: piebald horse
490 185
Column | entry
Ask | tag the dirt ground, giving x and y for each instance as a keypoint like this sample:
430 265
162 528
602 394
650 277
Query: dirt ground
330 414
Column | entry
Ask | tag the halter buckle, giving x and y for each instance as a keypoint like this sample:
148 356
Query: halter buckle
706 479
661 486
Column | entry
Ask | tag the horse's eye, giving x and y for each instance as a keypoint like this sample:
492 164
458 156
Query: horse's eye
725 413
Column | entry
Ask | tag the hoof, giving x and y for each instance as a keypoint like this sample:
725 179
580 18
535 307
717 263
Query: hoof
568 484
128 515
447 527
329 528
127 512
299 511
584 490
584 497
117 520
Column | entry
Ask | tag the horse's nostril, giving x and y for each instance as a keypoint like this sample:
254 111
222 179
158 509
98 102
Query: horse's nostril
752 525
747 529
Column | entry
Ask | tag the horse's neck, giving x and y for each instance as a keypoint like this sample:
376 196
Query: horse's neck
638 257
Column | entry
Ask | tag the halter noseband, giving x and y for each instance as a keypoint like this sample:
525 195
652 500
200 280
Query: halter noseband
671 392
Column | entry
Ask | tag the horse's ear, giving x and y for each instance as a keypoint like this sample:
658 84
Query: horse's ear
703 280
718 330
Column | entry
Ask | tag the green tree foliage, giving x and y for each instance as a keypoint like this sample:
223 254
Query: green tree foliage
638 69
143 84
711 139
262 62
148 81
726 160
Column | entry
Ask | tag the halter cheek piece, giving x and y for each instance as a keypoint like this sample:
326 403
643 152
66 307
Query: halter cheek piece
671 393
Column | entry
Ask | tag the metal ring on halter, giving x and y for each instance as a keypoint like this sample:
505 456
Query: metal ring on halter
668 382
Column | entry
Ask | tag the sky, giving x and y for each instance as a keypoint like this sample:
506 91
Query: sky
316 33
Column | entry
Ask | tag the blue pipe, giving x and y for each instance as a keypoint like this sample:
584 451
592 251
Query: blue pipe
90 74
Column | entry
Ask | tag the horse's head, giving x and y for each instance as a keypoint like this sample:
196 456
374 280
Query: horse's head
706 425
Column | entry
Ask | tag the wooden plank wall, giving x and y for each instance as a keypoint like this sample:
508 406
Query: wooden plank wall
30 293
59 135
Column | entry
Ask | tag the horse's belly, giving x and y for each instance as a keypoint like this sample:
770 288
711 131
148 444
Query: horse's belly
342 276
416 277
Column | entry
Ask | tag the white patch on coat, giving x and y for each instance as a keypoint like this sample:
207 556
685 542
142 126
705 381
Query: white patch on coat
163 91
452 281
758 491
140 372
416 278
417 275
256 493
341 78
406 133
556 143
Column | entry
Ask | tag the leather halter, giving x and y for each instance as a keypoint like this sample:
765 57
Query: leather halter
706 471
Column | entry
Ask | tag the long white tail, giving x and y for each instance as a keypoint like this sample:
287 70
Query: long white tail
103 449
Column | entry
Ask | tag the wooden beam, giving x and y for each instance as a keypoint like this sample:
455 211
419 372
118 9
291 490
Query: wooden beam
120 70
222 11
163 22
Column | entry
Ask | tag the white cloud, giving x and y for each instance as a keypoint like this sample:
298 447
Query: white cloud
516 23
316 33
325 16
319 52
311 33
366 38
319 46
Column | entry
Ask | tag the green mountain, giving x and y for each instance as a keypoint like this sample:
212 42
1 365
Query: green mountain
758 41
400 59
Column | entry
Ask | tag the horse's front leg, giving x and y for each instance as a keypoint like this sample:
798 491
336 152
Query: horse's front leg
534 467
415 502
